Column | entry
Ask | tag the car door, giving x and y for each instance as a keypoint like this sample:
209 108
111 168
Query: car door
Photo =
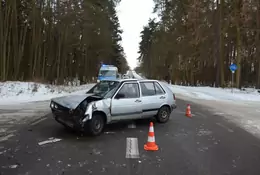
126 103
152 98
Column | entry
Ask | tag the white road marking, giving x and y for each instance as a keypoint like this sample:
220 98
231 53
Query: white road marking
132 150
38 121
51 140
223 126
4 138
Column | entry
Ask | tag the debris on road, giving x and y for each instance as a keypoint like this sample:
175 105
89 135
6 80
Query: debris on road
13 166
2 152
203 132
10 166
51 140
132 126
109 132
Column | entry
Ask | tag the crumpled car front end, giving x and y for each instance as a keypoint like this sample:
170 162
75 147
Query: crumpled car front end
64 110
75 111
98 106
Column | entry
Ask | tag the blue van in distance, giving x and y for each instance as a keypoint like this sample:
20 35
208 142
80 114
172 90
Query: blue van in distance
107 72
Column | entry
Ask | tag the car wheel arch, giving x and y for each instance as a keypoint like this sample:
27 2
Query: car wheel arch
165 105
159 116
100 113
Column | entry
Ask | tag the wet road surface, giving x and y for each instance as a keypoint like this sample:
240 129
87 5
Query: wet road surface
205 144
13 115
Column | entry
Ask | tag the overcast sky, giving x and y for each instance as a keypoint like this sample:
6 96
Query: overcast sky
133 15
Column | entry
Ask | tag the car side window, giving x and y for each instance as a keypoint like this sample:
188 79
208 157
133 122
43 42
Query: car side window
147 89
158 89
130 90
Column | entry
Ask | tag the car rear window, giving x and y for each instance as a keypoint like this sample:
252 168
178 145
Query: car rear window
158 89
147 89
151 88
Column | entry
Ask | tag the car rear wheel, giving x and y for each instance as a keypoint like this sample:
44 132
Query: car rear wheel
163 114
96 125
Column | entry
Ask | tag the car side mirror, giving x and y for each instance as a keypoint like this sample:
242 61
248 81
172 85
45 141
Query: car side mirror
119 95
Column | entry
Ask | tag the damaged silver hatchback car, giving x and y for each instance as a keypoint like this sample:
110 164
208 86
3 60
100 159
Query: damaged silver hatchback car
114 100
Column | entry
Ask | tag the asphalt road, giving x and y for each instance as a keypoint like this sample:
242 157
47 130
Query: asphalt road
12 115
205 144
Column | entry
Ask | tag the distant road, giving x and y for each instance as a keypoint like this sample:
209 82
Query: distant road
133 74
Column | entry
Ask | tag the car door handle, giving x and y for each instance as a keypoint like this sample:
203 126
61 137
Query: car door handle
162 97
138 101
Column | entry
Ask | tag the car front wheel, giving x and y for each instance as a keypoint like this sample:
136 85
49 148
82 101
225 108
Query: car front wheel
163 114
96 125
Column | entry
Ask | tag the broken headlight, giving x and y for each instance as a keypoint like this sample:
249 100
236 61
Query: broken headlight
53 105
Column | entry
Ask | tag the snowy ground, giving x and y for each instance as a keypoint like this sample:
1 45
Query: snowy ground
20 92
210 93
241 107
22 102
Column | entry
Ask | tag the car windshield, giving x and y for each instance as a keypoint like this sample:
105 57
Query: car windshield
107 73
104 88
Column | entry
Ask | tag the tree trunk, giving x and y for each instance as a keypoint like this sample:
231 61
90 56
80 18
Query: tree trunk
221 45
257 39
238 59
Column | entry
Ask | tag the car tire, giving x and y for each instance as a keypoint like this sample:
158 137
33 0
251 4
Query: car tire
96 125
163 114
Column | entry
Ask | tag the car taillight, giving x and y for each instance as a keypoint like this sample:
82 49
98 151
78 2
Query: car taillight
174 97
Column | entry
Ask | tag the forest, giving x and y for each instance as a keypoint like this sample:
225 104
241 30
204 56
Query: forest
57 40
194 42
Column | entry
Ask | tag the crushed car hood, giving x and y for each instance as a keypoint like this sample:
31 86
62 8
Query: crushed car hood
71 101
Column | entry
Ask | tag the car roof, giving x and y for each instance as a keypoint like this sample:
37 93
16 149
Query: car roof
132 79
122 80
147 80
127 79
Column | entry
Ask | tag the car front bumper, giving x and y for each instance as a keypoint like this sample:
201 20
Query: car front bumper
68 121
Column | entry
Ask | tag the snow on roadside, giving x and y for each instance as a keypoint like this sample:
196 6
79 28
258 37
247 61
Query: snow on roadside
26 101
20 92
245 115
240 107
210 93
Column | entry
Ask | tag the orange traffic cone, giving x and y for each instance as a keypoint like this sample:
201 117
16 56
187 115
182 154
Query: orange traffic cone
188 111
151 145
